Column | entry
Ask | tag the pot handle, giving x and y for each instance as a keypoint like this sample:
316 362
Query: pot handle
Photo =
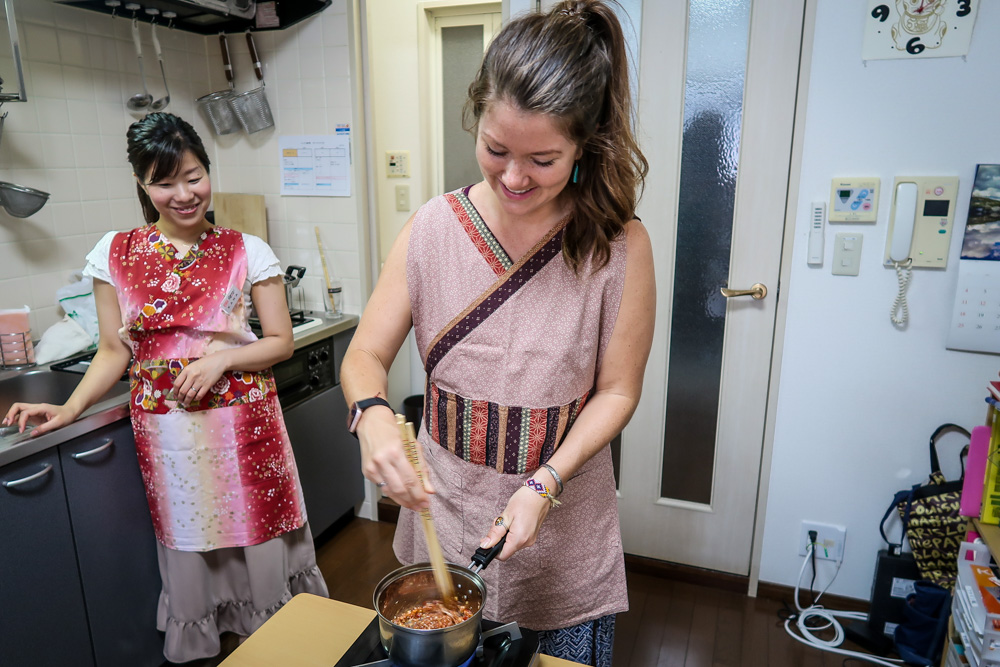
294 273
485 555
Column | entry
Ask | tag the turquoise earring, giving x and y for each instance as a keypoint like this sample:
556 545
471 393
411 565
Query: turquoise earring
576 172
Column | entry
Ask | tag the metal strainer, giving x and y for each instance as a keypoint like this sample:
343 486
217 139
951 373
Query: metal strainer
251 107
217 106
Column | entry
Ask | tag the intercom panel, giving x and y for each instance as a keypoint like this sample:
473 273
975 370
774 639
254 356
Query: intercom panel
921 220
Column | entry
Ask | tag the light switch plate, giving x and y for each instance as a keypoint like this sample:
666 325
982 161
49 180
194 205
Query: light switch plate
847 253
402 197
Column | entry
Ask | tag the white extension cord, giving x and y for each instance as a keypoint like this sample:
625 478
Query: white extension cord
830 616
900 313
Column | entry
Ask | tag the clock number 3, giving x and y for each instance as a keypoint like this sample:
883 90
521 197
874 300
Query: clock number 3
964 8
881 12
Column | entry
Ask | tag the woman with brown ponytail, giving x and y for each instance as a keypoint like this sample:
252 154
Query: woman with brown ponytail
531 295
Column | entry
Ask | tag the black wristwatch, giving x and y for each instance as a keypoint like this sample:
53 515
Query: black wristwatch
354 416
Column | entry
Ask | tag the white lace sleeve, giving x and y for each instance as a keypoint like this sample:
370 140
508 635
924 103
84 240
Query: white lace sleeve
98 260
262 263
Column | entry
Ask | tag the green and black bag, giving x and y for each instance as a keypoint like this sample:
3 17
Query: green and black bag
931 520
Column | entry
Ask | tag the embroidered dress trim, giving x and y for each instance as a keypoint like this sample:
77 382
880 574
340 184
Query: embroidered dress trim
478 232
514 440
496 295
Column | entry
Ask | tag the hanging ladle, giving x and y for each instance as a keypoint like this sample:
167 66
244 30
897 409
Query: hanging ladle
139 101
160 104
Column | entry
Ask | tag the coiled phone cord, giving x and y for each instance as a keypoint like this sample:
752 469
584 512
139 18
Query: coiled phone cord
900 313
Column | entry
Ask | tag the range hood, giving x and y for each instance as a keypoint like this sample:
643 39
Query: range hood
207 17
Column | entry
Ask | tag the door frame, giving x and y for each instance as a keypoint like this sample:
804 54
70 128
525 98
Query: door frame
429 55
781 313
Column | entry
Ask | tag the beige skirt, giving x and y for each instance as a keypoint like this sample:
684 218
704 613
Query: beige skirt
206 593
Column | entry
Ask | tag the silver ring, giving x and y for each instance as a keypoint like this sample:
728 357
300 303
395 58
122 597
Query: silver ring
380 484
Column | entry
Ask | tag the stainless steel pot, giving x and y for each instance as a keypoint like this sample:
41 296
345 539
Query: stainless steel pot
412 585
293 275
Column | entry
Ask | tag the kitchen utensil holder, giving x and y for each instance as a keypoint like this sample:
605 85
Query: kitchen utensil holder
16 351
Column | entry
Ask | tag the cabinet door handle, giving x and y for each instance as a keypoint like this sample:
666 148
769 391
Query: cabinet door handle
95 450
24 480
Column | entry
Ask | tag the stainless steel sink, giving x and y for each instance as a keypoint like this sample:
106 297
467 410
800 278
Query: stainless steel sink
46 386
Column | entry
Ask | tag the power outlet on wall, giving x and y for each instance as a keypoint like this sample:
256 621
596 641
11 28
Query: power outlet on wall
829 540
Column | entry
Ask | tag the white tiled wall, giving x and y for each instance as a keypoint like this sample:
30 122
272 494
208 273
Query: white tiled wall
69 140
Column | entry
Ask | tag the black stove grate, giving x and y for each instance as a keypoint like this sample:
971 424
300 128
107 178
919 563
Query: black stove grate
500 650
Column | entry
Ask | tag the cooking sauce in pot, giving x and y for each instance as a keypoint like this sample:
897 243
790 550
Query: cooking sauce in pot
432 615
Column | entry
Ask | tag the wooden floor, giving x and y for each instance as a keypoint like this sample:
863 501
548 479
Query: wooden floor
669 623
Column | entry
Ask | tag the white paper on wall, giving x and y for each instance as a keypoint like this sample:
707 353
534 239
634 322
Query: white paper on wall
316 165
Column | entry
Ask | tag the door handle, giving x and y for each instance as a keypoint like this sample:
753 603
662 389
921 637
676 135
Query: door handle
757 291
95 450
30 478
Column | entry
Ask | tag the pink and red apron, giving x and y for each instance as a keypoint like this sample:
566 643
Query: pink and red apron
220 472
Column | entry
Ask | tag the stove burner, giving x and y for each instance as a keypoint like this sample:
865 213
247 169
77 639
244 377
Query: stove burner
502 645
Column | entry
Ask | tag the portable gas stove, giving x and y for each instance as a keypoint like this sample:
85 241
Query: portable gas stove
502 645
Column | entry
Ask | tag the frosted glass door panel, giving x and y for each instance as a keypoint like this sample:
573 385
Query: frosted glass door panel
713 113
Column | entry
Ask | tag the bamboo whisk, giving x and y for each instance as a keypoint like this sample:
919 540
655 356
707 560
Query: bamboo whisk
441 575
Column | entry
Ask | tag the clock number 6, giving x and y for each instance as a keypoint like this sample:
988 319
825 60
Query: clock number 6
914 46
964 8
882 12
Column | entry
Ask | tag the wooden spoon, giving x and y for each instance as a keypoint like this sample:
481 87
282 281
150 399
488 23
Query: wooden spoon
442 577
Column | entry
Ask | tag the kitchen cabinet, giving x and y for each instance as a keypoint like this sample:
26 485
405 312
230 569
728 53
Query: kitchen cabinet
43 620
80 581
115 546
327 456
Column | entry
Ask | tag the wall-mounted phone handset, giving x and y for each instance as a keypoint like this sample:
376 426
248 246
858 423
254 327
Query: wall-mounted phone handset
904 210
919 230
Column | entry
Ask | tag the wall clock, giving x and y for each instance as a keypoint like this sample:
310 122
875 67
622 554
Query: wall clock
918 28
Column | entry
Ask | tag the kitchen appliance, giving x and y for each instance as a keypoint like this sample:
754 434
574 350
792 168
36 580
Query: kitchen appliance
210 17
502 645
310 370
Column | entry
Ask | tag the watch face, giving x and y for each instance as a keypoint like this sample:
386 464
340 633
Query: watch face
918 28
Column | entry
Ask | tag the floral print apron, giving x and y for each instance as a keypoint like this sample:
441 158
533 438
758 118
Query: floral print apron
219 472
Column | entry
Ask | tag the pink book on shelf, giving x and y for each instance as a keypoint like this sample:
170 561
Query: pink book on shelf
975 472
994 388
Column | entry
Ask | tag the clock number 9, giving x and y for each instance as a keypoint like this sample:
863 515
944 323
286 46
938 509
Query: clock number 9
964 8
914 46
882 12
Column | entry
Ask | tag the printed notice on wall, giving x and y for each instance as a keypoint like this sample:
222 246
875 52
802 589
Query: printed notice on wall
317 165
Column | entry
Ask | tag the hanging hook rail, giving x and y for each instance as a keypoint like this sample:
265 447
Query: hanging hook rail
15 47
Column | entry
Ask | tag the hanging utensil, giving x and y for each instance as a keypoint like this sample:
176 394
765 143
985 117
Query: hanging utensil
251 107
160 104
139 101
216 105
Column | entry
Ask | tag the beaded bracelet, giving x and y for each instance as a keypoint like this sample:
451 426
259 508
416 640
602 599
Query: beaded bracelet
556 477
543 491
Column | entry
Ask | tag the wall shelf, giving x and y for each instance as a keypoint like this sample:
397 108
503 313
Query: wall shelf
204 21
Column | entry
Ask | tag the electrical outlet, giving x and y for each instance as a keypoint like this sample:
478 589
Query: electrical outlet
829 540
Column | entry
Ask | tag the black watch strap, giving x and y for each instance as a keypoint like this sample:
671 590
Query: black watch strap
359 407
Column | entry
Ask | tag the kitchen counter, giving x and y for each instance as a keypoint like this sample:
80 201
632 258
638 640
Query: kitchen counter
311 631
16 447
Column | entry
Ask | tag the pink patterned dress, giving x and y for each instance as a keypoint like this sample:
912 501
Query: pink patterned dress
218 473
512 347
